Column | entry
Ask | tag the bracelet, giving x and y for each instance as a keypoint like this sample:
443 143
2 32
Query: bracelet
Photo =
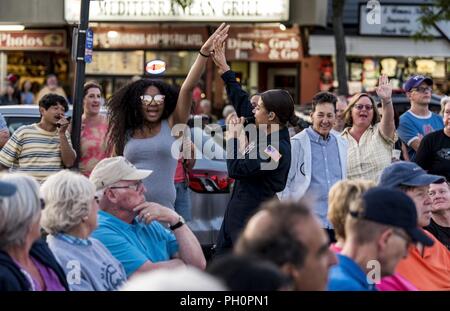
204 55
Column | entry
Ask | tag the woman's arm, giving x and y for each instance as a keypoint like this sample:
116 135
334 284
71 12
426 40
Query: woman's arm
384 91
237 96
184 104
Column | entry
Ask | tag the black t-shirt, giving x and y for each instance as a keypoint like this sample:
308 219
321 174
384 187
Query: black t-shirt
433 154
440 233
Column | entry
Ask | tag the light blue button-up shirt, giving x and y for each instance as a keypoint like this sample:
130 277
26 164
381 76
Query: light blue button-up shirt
326 171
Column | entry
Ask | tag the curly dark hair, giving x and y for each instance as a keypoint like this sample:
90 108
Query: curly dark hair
125 110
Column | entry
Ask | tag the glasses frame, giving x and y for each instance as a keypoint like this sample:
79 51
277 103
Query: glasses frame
422 90
134 186
363 106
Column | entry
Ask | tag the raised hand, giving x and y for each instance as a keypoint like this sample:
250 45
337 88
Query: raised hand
208 47
384 89
219 53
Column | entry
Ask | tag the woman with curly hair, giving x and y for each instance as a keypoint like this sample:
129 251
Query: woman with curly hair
141 118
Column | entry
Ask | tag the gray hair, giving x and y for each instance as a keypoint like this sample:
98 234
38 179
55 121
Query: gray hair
68 198
227 110
19 211
444 101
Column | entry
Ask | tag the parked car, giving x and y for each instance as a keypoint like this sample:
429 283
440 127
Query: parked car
209 180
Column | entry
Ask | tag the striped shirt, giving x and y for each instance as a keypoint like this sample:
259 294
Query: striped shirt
368 158
33 151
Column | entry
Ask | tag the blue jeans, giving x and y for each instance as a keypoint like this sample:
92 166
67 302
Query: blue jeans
183 205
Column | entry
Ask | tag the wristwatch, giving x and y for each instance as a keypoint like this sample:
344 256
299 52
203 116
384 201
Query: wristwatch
180 223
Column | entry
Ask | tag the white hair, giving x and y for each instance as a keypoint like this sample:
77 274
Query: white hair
68 198
174 279
444 101
19 211
227 110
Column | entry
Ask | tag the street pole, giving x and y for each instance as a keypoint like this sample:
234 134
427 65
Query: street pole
79 78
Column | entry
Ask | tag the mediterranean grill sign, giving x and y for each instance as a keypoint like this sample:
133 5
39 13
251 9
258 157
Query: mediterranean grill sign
33 40
151 38
180 10
263 44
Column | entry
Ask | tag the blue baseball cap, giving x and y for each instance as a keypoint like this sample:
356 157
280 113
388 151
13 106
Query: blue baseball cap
415 81
394 208
407 174
7 189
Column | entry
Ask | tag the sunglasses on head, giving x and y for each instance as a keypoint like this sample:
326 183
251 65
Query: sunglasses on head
148 99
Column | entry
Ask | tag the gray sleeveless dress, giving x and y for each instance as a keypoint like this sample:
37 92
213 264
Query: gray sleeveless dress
155 154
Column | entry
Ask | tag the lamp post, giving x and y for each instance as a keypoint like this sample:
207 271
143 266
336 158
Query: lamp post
79 77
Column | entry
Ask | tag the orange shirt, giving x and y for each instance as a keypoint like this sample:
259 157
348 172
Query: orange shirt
427 271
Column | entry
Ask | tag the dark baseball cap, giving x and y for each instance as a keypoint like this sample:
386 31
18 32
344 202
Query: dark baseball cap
407 174
415 81
394 208
7 189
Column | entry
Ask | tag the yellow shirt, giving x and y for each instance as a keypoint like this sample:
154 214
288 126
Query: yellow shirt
370 156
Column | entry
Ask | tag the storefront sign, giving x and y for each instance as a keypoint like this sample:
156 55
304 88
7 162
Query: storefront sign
151 38
177 10
393 20
35 40
263 44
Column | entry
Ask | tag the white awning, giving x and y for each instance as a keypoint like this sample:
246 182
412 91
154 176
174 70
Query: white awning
380 46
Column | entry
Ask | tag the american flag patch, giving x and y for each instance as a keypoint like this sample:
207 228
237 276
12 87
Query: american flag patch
273 153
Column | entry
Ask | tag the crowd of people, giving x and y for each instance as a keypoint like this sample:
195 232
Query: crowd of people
353 202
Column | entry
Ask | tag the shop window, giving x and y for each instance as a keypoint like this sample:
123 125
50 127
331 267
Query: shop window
177 63
116 63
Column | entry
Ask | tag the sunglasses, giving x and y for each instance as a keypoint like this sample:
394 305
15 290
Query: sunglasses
361 107
148 99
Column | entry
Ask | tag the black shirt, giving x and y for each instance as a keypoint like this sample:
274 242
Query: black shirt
440 233
433 154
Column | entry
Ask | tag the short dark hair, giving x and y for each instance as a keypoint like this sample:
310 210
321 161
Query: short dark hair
323 98
282 246
52 99
245 273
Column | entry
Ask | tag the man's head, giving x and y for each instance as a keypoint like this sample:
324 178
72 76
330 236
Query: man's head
52 82
287 234
439 193
418 88
341 105
254 99
119 182
205 105
414 181
52 108
323 112
385 221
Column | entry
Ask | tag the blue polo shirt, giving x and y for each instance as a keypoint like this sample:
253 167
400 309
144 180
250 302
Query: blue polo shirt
134 244
348 276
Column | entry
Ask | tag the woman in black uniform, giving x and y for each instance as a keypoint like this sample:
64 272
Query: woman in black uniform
262 170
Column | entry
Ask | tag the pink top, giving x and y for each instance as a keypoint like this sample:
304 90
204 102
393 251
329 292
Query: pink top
51 280
93 146
395 282
179 173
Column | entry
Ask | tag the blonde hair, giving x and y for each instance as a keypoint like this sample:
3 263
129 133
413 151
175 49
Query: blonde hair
341 195
348 111
68 199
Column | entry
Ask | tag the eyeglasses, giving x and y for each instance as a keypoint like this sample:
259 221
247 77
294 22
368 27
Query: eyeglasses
361 107
148 99
422 89
134 187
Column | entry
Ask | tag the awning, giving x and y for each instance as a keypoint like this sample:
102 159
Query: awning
380 46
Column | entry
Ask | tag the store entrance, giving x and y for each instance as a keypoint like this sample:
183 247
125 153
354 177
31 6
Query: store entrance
284 76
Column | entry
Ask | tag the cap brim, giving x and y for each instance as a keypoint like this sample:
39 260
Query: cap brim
423 180
7 189
138 175
417 235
